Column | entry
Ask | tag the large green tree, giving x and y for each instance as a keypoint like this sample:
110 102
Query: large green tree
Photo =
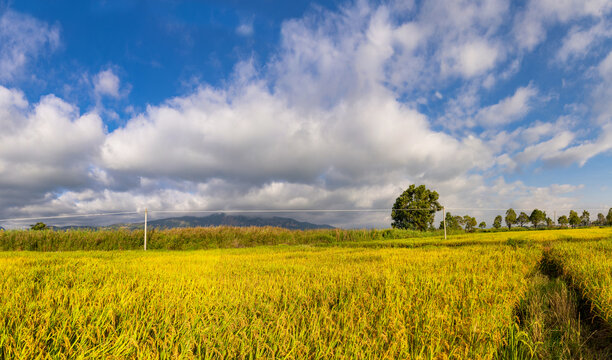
537 217
510 218
415 208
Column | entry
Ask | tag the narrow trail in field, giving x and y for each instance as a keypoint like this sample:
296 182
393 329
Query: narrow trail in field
596 333
557 321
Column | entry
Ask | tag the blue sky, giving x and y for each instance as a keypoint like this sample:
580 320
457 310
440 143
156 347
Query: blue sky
185 105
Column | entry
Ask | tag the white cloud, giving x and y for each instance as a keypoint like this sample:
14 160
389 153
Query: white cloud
245 29
508 110
228 134
471 59
545 149
584 151
578 41
45 147
106 83
23 38
531 25
602 92
605 67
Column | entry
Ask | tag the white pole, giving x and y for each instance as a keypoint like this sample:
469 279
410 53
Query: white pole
444 219
145 231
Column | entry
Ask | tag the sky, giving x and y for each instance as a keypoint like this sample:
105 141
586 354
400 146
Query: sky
109 106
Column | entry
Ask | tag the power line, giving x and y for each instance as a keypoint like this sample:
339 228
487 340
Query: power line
70 216
284 210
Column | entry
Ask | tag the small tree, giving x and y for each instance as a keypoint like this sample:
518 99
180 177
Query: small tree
497 223
39 226
415 208
549 222
510 218
522 219
482 225
537 216
451 222
563 221
609 217
601 219
574 219
470 223
585 219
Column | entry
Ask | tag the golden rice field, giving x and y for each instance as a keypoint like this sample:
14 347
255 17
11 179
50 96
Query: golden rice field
374 299
589 267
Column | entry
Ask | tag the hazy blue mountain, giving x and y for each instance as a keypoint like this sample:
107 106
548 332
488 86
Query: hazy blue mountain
234 220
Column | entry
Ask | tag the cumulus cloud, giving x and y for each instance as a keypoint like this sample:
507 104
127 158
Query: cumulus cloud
44 147
23 38
324 115
228 134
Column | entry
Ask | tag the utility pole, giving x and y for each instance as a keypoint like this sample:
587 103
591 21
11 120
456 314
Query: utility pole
145 231
444 220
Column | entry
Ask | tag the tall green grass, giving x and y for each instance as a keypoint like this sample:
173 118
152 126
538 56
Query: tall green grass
189 238
237 237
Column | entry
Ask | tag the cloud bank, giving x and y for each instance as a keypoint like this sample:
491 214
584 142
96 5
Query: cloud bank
333 120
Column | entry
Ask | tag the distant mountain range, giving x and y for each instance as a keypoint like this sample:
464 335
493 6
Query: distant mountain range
213 220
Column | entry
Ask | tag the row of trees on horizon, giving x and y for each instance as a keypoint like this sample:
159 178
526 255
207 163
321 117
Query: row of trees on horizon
416 207
536 219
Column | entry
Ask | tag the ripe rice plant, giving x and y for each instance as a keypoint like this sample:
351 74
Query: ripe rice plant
274 302
521 238
588 267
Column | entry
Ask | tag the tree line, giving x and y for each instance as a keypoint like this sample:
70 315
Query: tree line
536 219
416 207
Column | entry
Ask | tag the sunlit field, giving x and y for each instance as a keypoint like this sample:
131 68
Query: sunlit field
367 298
588 266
